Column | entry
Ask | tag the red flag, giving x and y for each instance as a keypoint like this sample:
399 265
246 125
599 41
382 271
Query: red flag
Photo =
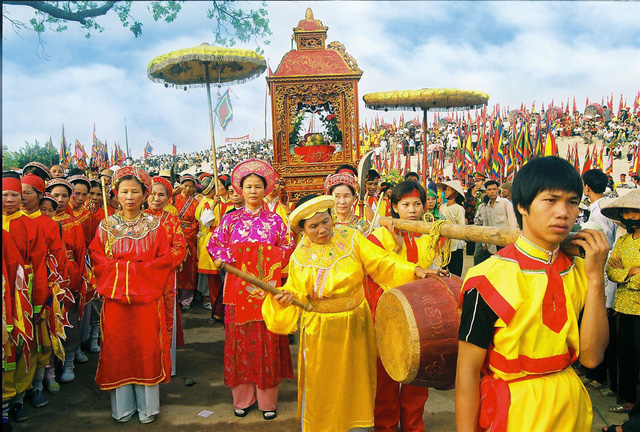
620 106
587 161
175 149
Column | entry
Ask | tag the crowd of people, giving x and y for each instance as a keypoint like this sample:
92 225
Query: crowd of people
110 261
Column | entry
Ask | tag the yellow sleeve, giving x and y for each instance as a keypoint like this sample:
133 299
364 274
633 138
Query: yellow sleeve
283 319
386 268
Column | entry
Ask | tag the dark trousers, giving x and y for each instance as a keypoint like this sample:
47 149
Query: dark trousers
609 366
455 264
628 356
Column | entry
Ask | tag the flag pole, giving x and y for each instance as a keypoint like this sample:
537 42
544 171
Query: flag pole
213 142
126 137
266 93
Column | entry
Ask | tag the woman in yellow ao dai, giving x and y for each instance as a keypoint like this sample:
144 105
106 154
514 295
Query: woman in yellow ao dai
337 359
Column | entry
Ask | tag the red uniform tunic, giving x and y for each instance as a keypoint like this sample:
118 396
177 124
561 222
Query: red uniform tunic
187 215
24 252
73 238
83 217
178 247
132 282
58 285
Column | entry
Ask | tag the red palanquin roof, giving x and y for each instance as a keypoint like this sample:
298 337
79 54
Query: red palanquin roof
312 63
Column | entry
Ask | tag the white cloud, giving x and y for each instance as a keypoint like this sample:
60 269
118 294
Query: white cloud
520 52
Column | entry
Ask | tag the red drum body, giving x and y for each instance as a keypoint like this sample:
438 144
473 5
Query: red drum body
417 331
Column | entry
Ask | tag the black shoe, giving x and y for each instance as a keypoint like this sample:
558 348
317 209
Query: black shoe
292 338
269 415
18 412
241 412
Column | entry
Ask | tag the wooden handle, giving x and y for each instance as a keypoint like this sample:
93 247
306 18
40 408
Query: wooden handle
473 233
261 284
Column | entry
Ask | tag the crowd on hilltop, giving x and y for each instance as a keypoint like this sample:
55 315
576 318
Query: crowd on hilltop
227 156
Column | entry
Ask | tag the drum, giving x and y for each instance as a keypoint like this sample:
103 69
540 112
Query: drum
417 331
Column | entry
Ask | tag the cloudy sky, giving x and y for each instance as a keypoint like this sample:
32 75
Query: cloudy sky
514 51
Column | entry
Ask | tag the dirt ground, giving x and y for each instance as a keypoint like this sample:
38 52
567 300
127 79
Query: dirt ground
81 406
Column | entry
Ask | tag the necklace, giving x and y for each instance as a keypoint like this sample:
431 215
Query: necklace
130 223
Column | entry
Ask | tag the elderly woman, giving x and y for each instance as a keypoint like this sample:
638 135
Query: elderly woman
344 188
132 261
160 193
186 203
337 360
254 240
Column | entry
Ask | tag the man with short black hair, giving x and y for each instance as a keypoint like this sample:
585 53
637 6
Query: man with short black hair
498 212
530 311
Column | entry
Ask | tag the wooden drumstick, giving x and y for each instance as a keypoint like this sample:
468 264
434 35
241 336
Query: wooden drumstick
261 284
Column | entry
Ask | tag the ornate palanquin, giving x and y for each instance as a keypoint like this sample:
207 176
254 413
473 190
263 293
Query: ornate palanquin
313 78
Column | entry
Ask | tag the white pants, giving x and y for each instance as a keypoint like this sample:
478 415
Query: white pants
128 399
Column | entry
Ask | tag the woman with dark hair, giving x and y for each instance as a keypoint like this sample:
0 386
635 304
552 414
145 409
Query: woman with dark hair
395 403
256 241
624 268
344 188
187 203
75 247
161 191
336 375
132 261
453 211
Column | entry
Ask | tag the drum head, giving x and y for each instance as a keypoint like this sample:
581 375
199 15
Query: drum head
399 342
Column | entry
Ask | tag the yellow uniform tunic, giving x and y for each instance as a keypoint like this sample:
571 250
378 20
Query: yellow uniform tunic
529 385
337 359
628 292
205 263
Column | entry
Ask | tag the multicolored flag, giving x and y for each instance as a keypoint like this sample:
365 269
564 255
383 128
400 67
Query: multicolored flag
80 155
148 150
224 110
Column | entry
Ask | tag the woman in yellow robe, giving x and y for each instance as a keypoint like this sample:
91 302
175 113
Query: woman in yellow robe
337 359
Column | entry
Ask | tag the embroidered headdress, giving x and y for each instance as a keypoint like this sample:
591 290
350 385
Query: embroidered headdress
253 166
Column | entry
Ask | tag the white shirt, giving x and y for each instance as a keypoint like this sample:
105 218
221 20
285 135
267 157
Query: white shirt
501 215
610 229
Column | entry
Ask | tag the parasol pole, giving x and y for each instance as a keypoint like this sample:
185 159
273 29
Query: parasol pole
424 148
213 141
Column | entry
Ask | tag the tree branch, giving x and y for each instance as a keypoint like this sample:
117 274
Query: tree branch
79 16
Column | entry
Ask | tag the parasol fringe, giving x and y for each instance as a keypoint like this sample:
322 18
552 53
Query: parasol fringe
199 85
419 108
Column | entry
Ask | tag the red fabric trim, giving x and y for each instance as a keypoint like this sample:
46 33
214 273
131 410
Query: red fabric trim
489 293
532 365
411 246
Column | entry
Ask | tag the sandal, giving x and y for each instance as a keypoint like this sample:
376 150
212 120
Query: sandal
621 408
594 385
269 415
606 392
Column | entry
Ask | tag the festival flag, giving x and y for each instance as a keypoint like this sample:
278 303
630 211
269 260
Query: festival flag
609 168
224 110
392 164
620 106
635 165
575 108
586 104
398 167
587 161
468 151
497 161
65 154
407 163
600 159
148 150
175 150
511 165
80 155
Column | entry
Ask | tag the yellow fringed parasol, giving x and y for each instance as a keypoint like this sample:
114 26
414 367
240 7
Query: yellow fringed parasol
426 99
197 66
